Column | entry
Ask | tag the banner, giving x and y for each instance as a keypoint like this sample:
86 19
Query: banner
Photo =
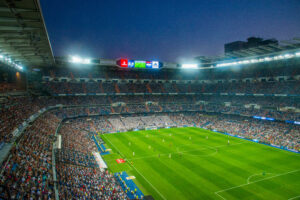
102 165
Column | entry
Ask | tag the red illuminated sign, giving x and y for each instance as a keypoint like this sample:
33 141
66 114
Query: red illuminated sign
123 62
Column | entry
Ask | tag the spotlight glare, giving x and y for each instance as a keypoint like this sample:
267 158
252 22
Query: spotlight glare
79 60
19 67
189 66
75 59
86 61
288 56
245 61
268 59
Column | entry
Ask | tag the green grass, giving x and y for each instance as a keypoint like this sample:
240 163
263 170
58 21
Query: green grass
201 168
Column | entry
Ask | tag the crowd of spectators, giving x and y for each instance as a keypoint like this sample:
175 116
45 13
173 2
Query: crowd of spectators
13 113
15 110
280 134
27 174
77 182
172 107
78 175
273 87
10 87
276 133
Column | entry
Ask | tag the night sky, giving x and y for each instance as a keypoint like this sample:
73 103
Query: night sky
167 30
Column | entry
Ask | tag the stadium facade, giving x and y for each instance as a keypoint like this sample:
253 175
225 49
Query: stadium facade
55 109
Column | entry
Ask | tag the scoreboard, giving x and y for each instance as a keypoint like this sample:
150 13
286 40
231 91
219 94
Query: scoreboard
138 64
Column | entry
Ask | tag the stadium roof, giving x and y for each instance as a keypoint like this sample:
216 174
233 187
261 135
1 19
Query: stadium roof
283 46
23 34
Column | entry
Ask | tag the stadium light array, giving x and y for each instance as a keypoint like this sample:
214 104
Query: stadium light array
189 66
79 60
260 60
7 60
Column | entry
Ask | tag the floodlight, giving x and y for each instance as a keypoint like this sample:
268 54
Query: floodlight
189 66
75 59
261 60
268 59
288 56
280 57
245 61
19 67
10 62
86 61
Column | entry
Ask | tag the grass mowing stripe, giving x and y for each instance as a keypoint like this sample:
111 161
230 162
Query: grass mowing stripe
244 155
192 166
199 177
296 197
174 173
174 177
138 171
124 140
276 188
209 176
258 181
176 152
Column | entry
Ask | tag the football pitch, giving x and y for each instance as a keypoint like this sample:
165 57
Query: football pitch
194 163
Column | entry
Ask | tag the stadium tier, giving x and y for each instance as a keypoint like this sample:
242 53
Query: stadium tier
219 127
79 110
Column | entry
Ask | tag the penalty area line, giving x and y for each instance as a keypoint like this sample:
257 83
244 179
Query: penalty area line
253 175
132 167
290 172
294 197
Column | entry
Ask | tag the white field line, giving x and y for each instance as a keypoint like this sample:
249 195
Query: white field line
117 150
178 152
150 183
137 171
248 180
294 197
217 193
220 196
166 154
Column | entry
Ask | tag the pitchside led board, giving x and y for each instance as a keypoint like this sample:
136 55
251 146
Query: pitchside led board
138 64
